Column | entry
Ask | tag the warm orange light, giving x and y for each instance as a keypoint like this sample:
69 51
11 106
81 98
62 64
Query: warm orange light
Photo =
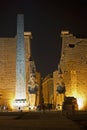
80 103
80 99
12 104
32 108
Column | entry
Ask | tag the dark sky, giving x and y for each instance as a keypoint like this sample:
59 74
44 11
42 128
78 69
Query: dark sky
45 19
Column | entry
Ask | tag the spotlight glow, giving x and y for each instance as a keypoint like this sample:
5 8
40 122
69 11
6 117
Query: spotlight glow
80 103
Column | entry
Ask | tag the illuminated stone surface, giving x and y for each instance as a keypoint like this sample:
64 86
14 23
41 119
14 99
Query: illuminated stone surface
58 97
33 87
47 89
20 63
74 66
8 67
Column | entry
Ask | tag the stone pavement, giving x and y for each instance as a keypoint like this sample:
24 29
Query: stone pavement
36 121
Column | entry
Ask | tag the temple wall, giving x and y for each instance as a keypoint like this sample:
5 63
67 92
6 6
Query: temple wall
73 63
8 68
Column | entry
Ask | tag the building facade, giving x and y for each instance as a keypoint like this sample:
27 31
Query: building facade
73 64
47 89
8 68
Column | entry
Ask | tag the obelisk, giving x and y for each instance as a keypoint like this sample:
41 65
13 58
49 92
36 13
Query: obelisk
20 96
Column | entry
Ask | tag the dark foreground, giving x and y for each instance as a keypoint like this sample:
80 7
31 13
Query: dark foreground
80 117
48 120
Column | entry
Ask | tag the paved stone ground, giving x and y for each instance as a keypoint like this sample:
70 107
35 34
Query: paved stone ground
36 121
80 117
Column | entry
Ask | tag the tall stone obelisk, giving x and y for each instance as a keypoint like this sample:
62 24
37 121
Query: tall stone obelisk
20 97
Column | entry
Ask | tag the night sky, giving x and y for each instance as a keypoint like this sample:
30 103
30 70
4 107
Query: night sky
45 19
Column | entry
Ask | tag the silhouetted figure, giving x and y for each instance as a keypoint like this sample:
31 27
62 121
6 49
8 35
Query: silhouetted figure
19 109
73 108
43 107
